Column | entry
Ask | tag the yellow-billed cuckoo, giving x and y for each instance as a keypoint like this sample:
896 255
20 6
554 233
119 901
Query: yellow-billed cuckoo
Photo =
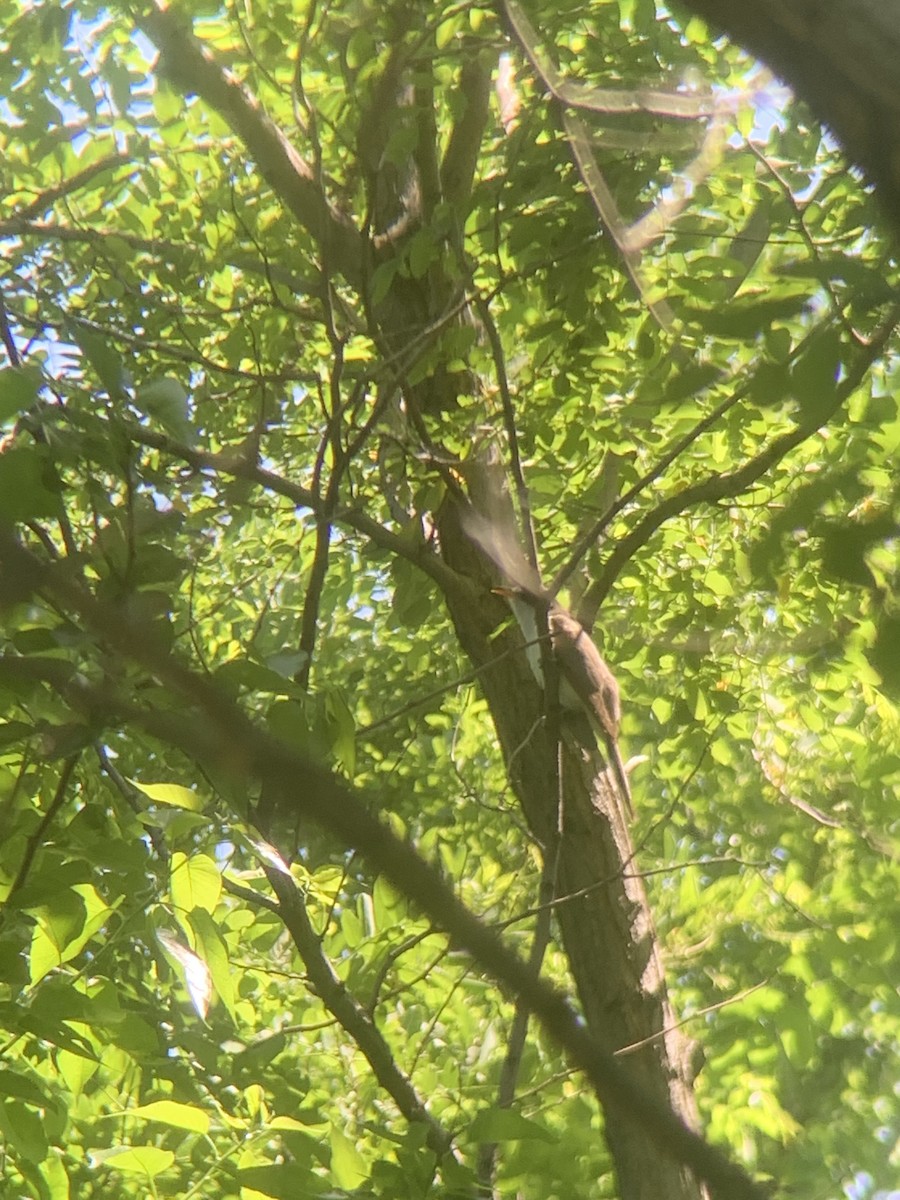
586 683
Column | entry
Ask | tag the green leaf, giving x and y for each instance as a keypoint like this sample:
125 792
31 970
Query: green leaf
693 380
75 1070
23 1130
19 387
170 793
343 730
12 732
27 487
50 1030
447 31
22 1087
64 927
719 583
347 1165
506 1125
195 882
169 1112
102 356
57 925
284 1181
422 253
148 1161
383 278
53 1176
814 375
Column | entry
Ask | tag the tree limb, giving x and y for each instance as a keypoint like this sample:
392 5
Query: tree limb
48 198
219 731
416 552
349 1013
37 835
720 487
187 63
461 156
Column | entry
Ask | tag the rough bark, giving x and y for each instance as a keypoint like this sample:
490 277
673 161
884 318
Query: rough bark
606 924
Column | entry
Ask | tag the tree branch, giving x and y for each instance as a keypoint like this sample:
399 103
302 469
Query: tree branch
416 552
48 198
36 837
719 487
461 156
219 731
186 62
349 1013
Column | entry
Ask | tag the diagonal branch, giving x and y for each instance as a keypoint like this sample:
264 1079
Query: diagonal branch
349 1013
48 198
219 731
35 838
417 552
191 67
597 529
720 487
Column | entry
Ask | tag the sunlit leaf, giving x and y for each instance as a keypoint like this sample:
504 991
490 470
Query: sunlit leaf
148 1161
171 1112
211 948
193 970
171 793
347 1164
196 882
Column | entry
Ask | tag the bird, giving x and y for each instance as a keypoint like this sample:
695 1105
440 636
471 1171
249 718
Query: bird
585 684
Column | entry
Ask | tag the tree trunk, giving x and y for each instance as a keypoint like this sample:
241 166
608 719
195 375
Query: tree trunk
603 914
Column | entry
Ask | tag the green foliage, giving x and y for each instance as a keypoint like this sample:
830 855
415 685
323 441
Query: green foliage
202 428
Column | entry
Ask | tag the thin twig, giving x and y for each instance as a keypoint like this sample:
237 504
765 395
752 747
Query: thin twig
34 839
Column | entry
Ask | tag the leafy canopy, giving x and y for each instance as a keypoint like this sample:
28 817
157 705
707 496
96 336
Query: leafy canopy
202 424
